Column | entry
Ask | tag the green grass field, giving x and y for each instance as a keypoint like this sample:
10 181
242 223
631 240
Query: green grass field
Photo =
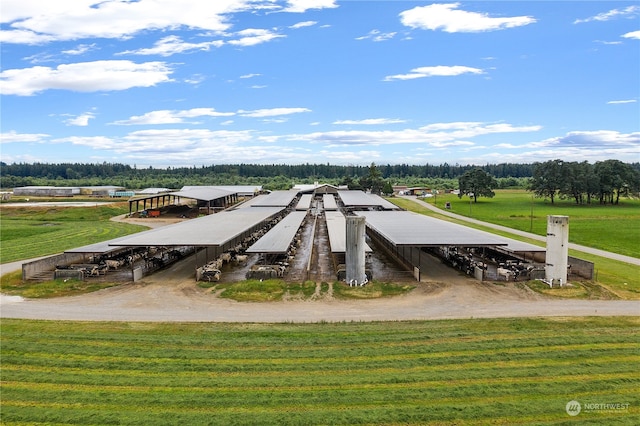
493 371
28 232
612 228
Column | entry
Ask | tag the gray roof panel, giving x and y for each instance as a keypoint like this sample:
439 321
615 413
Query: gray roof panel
329 202
212 230
305 202
278 239
276 199
413 229
337 228
203 194
362 199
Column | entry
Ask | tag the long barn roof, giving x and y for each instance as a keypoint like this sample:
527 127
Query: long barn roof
278 239
404 228
337 229
212 230
276 199
361 199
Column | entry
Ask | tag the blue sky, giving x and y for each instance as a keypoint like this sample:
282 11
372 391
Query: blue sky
176 83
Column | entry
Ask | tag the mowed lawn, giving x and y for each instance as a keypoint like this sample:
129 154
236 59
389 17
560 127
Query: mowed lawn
488 371
28 232
614 228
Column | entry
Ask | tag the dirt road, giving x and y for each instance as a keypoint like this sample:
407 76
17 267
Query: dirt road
177 299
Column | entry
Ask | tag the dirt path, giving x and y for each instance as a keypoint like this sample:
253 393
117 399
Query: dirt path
180 299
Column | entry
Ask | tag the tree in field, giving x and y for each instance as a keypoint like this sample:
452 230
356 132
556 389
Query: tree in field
547 179
477 183
615 178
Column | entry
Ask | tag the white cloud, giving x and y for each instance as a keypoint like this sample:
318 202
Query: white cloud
173 44
272 112
627 12
171 117
303 24
448 18
436 135
349 156
195 79
253 36
182 146
299 6
632 34
33 21
81 120
626 101
596 139
437 71
371 121
250 75
14 137
377 36
84 77
80 49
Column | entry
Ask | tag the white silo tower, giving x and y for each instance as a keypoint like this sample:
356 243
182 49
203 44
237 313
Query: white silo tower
355 250
557 259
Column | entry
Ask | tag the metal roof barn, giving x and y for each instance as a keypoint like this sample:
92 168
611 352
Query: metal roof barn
242 190
276 199
305 202
403 228
212 230
329 202
337 228
363 200
279 238
202 193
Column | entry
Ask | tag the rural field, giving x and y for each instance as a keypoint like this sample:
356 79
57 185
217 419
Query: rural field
29 232
614 228
491 371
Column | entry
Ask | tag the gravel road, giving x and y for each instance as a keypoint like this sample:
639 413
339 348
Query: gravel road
168 300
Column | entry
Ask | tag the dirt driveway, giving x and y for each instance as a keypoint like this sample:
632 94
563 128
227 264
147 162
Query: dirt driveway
168 296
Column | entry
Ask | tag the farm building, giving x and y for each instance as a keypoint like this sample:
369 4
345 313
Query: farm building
100 191
63 191
47 191
300 236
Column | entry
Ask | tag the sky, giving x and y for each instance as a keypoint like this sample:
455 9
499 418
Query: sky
170 83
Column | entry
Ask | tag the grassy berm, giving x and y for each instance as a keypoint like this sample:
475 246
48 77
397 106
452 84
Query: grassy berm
469 372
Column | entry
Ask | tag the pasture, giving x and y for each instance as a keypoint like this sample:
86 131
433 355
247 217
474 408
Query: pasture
29 232
614 228
490 371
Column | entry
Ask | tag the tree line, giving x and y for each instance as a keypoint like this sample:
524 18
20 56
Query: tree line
276 176
604 181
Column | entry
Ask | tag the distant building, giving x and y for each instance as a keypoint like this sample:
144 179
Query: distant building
318 188
99 191
47 191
